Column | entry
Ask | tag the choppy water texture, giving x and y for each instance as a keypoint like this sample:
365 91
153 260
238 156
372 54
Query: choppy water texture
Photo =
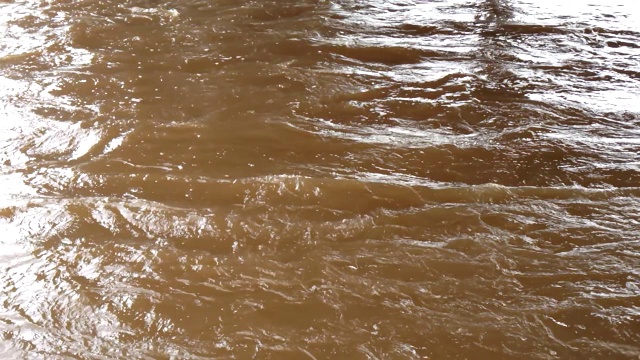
320 179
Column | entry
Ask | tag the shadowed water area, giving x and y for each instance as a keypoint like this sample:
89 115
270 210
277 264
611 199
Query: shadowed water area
319 179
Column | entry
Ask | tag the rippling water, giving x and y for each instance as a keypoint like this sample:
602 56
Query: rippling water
320 179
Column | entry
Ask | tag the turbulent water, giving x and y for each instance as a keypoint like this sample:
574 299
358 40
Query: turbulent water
319 179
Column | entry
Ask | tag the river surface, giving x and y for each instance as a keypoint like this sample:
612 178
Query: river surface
319 179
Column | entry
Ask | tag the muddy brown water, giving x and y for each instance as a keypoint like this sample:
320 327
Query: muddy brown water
319 179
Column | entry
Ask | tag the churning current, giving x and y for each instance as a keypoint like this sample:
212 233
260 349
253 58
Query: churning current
319 179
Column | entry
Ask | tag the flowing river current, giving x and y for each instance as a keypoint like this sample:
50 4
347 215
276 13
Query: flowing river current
319 179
